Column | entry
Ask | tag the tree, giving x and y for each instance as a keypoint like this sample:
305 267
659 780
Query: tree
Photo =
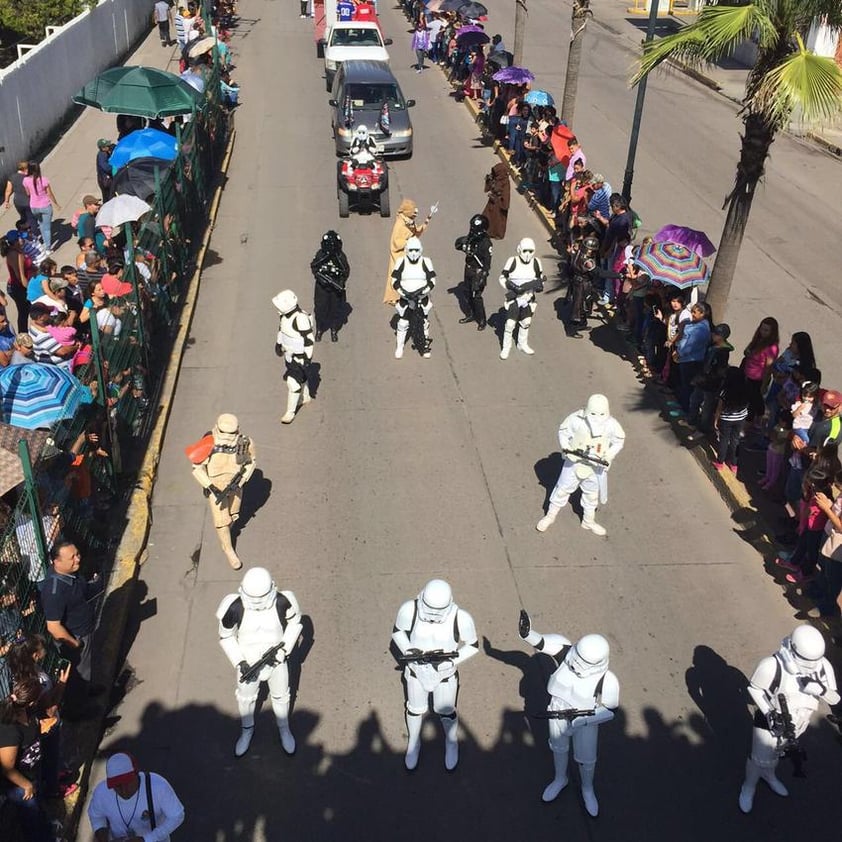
29 17
785 79
579 20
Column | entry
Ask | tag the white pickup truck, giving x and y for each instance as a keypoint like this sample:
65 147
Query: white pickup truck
352 40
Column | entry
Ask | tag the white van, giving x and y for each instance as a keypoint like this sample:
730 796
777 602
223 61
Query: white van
352 40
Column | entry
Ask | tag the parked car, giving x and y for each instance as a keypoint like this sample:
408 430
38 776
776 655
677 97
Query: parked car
346 40
360 90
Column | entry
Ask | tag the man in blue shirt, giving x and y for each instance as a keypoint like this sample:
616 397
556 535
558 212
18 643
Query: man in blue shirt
7 340
599 206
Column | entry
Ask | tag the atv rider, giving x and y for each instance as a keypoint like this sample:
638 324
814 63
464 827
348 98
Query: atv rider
363 148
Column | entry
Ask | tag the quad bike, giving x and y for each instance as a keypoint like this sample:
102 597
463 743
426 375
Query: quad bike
363 186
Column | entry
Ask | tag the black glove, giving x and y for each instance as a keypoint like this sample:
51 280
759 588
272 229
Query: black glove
524 626
243 666
206 492
511 286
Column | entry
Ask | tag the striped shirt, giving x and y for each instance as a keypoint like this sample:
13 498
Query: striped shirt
45 346
734 413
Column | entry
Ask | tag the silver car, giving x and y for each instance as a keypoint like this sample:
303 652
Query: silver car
360 89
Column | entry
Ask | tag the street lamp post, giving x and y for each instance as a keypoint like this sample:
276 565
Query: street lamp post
638 106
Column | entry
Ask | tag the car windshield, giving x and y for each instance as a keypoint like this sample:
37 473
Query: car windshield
355 38
373 96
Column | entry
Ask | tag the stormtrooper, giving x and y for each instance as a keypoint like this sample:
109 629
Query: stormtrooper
434 636
478 251
522 277
222 470
331 270
295 344
590 439
786 688
258 629
363 148
414 278
583 694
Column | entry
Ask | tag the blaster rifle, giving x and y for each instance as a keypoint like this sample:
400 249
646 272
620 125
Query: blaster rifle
787 741
267 659
437 656
230 488
569 714
588 457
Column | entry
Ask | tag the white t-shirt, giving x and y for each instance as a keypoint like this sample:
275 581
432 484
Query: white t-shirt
106 319
130 816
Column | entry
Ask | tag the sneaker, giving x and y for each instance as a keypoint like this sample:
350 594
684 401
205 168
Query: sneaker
733 468
718 465
798 578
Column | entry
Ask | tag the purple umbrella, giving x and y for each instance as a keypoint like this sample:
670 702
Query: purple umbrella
513 75
695 241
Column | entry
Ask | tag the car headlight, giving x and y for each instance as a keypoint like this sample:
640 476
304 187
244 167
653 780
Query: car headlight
402 133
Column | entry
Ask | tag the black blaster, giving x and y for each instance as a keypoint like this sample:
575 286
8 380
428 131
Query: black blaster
436 656
587 457
267 659
232 486
568 713
784 729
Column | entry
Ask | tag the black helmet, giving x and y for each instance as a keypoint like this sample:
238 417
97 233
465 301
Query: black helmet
331 242
478 223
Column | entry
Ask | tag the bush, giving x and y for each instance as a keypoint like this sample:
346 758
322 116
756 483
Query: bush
29 17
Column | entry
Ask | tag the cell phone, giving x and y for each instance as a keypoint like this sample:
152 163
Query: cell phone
63 664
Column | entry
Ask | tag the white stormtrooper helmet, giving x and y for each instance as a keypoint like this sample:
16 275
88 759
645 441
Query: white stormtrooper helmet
285 301
257 590
414 249
361 134
226 430
588 656
526 250
802 650
435 601
597 413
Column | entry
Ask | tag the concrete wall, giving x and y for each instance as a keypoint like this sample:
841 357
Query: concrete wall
36 91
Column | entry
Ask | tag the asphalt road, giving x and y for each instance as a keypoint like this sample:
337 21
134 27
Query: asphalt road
405 470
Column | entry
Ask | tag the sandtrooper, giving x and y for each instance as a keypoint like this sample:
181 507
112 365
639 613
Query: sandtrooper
363 148
413 278
583 694
222 472
522 277
258 629
590 439
295 344
787 688
434 637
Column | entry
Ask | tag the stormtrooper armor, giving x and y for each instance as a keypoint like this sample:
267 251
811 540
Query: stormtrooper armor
252 623
433 623
478 251
582 684
522 277
363 148
796 677
295 344
222 475
590 438
413 279
330 270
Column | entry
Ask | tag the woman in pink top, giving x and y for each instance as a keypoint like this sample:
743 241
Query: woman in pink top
41 201
758 357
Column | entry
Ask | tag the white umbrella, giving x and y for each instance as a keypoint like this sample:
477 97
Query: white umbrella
121 209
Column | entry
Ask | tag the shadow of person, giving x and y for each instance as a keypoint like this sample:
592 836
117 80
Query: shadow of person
255 494
497 320
547 472
347 309
314 377
458 292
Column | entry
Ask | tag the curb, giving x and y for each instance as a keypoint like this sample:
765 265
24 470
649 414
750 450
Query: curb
131 552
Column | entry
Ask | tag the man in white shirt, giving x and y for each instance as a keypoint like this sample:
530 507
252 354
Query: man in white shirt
130 805
162 18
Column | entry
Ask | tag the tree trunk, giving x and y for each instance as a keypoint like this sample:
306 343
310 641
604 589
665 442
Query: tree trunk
520 31
581 13
757 139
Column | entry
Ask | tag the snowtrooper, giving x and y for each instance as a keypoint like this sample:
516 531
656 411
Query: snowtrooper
590 438
583 694
434 636
787 688
522 277
258 629
363 148
295 344
413 278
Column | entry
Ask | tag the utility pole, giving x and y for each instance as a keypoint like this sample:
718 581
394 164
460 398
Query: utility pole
581 13
521 14
638 106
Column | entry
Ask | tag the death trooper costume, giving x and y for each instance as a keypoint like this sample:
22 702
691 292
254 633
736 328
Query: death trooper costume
232 456
582 682
583 268
432 622
363 148
331 270
413 278
478 251
522 277
589 432
251 623
295 344
800 673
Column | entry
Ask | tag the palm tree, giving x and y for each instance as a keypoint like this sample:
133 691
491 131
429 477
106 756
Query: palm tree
581 14
786 79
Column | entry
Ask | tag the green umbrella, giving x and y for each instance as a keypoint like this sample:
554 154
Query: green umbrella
140 91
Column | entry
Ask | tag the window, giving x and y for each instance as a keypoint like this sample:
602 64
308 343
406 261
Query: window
373 96
355 38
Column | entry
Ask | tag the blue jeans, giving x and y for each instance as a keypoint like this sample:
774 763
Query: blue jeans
729 441
45 224
35 824
555 194
829 585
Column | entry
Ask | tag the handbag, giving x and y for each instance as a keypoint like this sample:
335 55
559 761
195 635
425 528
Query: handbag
832 547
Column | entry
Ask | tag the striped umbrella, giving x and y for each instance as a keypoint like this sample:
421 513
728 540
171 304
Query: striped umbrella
37 395
672 264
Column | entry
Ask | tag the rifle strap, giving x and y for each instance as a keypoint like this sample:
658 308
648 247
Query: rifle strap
149 803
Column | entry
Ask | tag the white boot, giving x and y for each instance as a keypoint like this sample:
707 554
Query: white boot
775 784
523 341
413 744
557 784
549 518
224 534
507 341
426 351
287 740
306 397
588 522
292 405
400 338
749 786
244 741
586 774
451 742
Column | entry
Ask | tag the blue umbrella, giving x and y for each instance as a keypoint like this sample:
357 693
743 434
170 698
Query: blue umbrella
143 143
39 395
539 98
